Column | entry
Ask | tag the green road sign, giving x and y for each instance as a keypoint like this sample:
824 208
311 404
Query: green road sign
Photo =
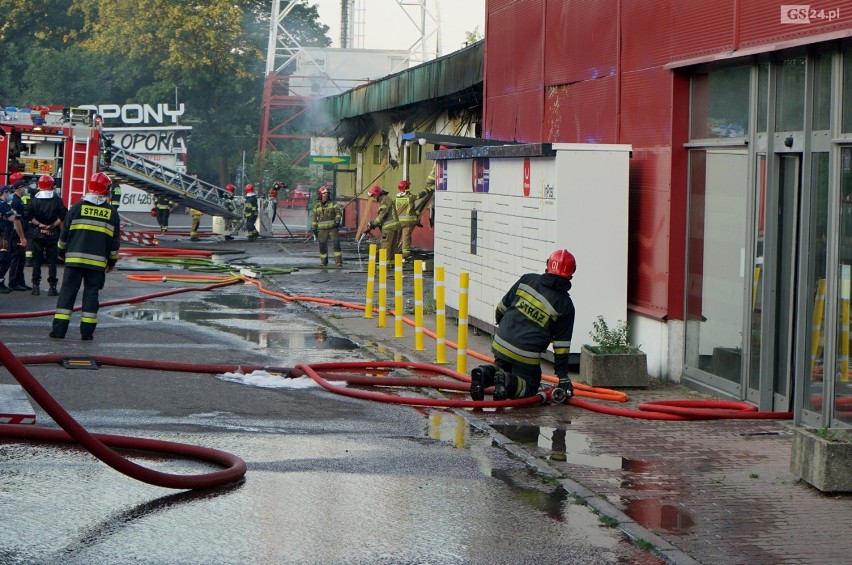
329 159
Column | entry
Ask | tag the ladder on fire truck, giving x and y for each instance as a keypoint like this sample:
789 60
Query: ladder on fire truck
134 170
81 168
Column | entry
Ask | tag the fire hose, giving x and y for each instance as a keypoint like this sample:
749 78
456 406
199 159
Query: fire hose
101 445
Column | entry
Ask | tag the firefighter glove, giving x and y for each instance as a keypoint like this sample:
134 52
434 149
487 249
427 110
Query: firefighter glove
316 232
566 385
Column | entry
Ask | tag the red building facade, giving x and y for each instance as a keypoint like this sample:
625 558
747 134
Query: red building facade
709 94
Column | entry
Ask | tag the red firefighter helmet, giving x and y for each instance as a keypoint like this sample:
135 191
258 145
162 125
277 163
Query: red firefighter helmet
324 190
15 177
99 184
230 188
45 182
249 189
562 263
375 191
403 185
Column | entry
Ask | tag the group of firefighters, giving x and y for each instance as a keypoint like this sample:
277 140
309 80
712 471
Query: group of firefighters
86 238
396 218
536 311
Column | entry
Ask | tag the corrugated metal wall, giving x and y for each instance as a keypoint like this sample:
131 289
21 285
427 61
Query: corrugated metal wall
555 73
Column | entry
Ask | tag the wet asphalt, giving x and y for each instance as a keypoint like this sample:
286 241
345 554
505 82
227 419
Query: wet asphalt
330 479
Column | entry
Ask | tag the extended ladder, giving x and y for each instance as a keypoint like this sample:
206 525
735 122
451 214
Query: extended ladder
150 176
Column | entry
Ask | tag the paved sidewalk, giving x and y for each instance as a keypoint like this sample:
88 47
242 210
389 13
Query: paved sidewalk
716 491
704 491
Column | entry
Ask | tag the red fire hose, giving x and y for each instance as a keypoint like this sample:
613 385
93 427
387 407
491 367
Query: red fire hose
100 445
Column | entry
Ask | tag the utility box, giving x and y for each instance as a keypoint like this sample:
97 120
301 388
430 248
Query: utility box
500 211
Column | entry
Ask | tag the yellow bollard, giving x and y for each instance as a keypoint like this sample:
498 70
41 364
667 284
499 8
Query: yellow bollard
418 305
440 318
461 353
845 291
816 327
383 291
397 296
371 282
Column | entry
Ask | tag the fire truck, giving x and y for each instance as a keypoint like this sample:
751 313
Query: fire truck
70 145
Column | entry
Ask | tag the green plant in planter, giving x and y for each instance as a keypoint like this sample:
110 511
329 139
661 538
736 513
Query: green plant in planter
610 340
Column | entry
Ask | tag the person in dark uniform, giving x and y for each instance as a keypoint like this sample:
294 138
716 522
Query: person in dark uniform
46 212
17 281
536 312
164 206
250 211
88 244
9 223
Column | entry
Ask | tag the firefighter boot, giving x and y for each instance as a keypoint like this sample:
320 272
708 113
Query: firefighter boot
36 290
501 379
52 291
481 378
477 386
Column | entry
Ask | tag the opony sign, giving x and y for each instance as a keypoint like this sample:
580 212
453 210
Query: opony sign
804 14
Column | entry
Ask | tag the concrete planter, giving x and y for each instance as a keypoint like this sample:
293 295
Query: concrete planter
823 462
613 369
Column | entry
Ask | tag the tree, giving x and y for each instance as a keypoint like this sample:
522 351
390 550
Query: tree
210 53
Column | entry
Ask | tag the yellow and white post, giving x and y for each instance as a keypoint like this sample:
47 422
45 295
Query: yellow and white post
440 318
845 284
418 305
816 325
461 353
383 290
371 282
397 296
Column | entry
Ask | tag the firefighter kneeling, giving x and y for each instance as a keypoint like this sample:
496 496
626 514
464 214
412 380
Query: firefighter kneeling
536 311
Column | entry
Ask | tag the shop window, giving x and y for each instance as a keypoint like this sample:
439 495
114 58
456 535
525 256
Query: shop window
847 91
790 95
720 103
843 372
822 91
762 97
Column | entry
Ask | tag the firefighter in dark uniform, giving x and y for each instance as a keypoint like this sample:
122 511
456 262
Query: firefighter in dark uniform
164 207
10 224
386 219
88 244
406 210
326 219
47 212
250 211
535 312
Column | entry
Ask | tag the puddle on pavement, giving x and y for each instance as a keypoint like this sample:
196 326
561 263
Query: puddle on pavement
638 476
450 428
654 514
259 320
568 446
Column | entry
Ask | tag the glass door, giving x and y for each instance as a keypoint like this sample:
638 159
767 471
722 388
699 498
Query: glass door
786 260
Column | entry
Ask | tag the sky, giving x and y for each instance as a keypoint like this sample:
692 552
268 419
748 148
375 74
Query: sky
386 25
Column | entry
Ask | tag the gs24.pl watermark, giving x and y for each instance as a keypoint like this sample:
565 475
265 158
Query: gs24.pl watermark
804 14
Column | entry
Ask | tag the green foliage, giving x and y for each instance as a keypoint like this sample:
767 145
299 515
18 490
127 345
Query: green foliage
610 340
209 55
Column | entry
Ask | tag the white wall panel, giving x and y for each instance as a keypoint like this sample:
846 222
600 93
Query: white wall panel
577 201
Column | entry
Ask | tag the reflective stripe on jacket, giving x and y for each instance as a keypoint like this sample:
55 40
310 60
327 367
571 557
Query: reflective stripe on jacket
535 312
90 237
386 215
326 215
